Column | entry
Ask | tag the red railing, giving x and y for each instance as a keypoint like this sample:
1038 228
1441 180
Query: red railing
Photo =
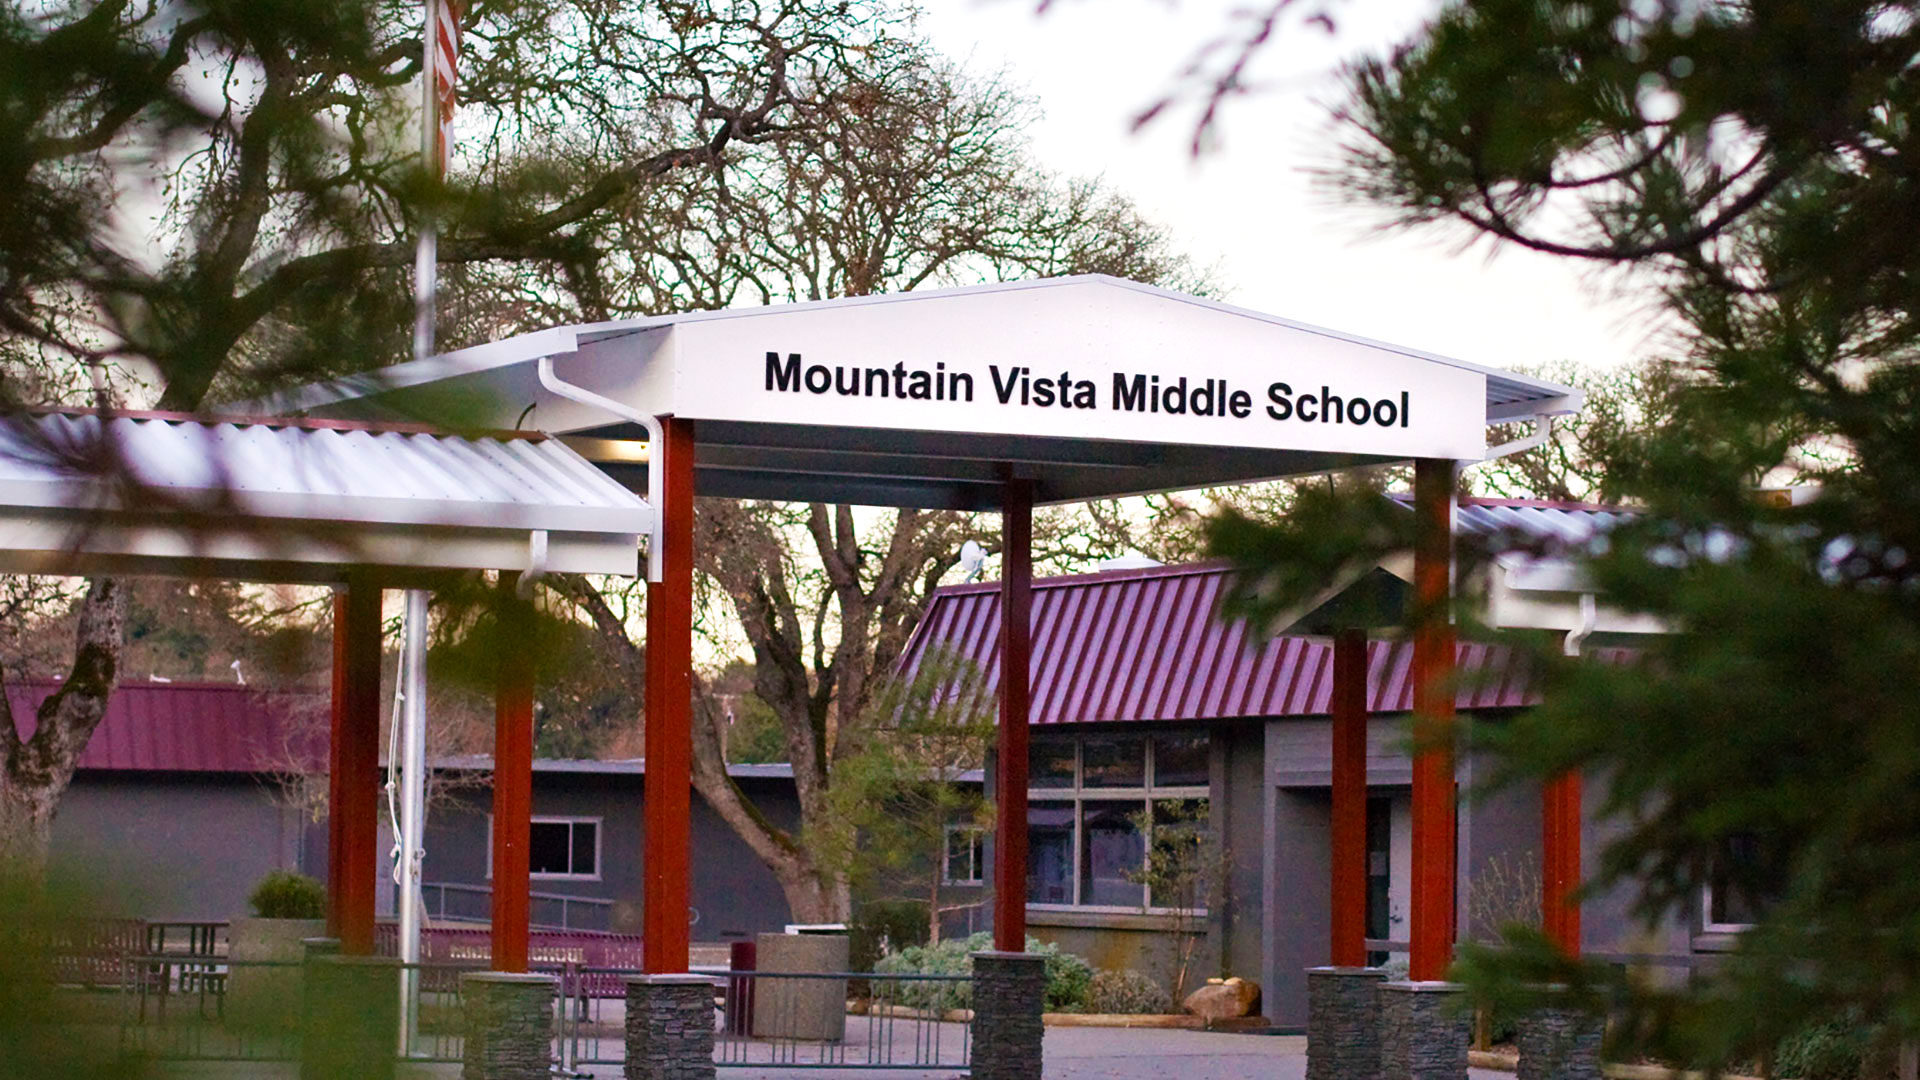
548 950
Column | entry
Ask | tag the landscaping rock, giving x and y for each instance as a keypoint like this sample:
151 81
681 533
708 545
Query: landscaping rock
1223 999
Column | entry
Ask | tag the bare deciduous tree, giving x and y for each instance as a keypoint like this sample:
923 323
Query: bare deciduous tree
201 200
920 176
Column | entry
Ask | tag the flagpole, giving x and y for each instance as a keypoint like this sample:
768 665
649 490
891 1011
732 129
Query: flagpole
413 739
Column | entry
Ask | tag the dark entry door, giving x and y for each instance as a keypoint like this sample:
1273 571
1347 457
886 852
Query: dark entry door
1379 873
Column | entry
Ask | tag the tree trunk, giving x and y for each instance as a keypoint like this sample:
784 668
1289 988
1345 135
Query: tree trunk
811 896
35 771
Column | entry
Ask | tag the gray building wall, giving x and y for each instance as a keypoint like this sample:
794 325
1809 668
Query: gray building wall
191 846
1499 833
173 846
733 894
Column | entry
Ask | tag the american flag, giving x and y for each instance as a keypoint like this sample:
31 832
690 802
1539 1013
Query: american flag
444 54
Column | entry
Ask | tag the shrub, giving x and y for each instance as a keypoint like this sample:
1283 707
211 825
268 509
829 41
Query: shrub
882 927
1127 992
1069 977
283 894
1835 1050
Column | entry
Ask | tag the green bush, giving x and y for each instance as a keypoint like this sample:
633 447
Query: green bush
880 927
283 894
1127 992
1835 1050
1069 977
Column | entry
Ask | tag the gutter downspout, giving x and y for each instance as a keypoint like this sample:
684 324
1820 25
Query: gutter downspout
1542 430
536 564
1589 616
656 450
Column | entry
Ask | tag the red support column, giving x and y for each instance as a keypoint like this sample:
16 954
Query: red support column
353 782
1010 773
1350 798
1433 782
668 812
336 797
512 780
1560 820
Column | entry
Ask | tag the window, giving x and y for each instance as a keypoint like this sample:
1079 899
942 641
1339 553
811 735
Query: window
558 847
965 855
1742 886
1094 806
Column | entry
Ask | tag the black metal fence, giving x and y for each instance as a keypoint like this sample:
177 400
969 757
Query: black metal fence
180 1007
215 1009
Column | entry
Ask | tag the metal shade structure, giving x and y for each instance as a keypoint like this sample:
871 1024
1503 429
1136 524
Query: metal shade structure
993 397
301 501
930 399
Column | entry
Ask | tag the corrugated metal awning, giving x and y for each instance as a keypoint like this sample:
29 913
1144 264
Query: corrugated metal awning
293 500
1148 645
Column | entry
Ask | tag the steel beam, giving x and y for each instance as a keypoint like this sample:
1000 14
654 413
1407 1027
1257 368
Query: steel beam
1010 772
1560 820
1349 799
353 779
512 778
1434 795
666 844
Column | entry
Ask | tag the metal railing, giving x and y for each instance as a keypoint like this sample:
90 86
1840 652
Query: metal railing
450 901
812 1020
214 1009
844 1020
184 1007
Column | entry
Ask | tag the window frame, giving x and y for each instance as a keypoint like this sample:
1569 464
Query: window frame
1708 925
1077 794
976 853
571 820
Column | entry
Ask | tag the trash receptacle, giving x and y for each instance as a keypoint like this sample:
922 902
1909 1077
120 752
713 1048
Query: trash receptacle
742 957
801 1008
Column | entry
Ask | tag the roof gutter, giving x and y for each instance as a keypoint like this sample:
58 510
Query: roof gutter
656 452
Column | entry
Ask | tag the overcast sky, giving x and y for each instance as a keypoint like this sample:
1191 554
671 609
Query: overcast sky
1249 206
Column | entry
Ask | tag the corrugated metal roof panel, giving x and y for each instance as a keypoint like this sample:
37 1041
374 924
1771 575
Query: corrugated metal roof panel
1140 645
193 727
314 472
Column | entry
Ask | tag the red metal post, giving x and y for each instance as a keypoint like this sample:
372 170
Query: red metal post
353 785
1010 772
512 780
1433 783
336 797
1350 798
1560 820
668 811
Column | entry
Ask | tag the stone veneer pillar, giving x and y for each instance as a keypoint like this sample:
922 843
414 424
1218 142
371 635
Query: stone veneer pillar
1343 1023
1560 1044
351 1017
1424 1031
1009 995
509 1025
669 1027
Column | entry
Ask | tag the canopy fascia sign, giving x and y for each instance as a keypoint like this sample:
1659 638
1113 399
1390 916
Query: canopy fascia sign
1092 387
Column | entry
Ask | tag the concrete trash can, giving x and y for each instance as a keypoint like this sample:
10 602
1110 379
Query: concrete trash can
811 1008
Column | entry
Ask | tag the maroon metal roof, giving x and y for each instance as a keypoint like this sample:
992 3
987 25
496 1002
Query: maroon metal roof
193 727
1147 645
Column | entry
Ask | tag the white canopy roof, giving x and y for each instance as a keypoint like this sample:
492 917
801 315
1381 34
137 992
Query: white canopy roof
1092 386
300 501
